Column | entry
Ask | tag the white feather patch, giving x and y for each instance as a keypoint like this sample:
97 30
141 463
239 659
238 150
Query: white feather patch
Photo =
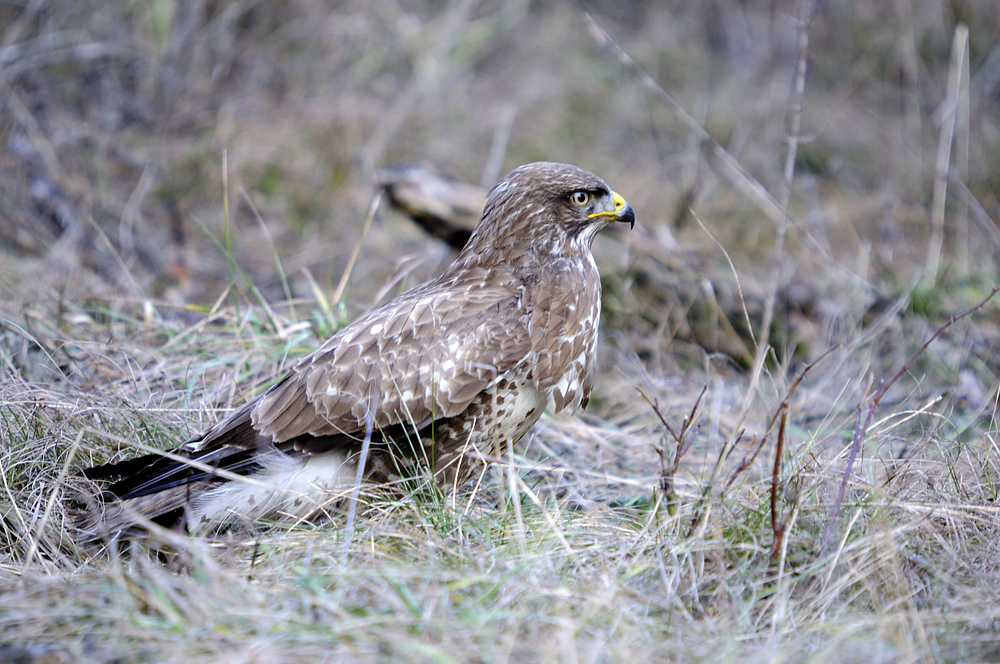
297 488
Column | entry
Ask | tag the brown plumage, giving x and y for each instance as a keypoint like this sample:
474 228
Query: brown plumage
440 377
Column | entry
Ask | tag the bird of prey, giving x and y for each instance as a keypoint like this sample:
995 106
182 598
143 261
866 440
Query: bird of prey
438 380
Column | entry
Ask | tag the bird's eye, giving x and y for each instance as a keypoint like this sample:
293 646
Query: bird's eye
581 198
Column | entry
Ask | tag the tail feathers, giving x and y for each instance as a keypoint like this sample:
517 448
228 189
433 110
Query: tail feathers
295 478
285 486
114 518
157 488
153 473
171 492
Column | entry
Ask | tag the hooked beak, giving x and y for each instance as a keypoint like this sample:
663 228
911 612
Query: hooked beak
622 212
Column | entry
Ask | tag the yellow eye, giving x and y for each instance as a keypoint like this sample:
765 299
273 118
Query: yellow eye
581 198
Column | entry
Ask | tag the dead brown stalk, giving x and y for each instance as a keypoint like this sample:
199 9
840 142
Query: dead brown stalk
682 443
777 523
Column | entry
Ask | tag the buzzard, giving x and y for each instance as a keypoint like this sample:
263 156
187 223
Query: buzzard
438 379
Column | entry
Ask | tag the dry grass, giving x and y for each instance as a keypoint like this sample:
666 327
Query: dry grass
140 298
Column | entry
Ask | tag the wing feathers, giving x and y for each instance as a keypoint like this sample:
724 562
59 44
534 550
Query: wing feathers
428 353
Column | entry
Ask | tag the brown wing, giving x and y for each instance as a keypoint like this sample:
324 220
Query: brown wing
424 356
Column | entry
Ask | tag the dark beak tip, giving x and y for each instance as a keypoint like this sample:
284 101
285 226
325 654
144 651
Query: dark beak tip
627 216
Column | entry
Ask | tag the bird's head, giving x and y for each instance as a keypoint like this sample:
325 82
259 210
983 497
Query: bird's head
548 209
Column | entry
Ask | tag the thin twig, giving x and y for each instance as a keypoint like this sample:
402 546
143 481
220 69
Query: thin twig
777 524
943 164
730 167
771 298
748 457
274 253
21 24
782 407
498 148
360 474
38 138
345 277
682 444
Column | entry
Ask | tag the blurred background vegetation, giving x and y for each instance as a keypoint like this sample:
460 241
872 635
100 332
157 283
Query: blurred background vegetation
119 117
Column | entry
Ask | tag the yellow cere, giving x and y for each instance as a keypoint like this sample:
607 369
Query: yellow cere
620 205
